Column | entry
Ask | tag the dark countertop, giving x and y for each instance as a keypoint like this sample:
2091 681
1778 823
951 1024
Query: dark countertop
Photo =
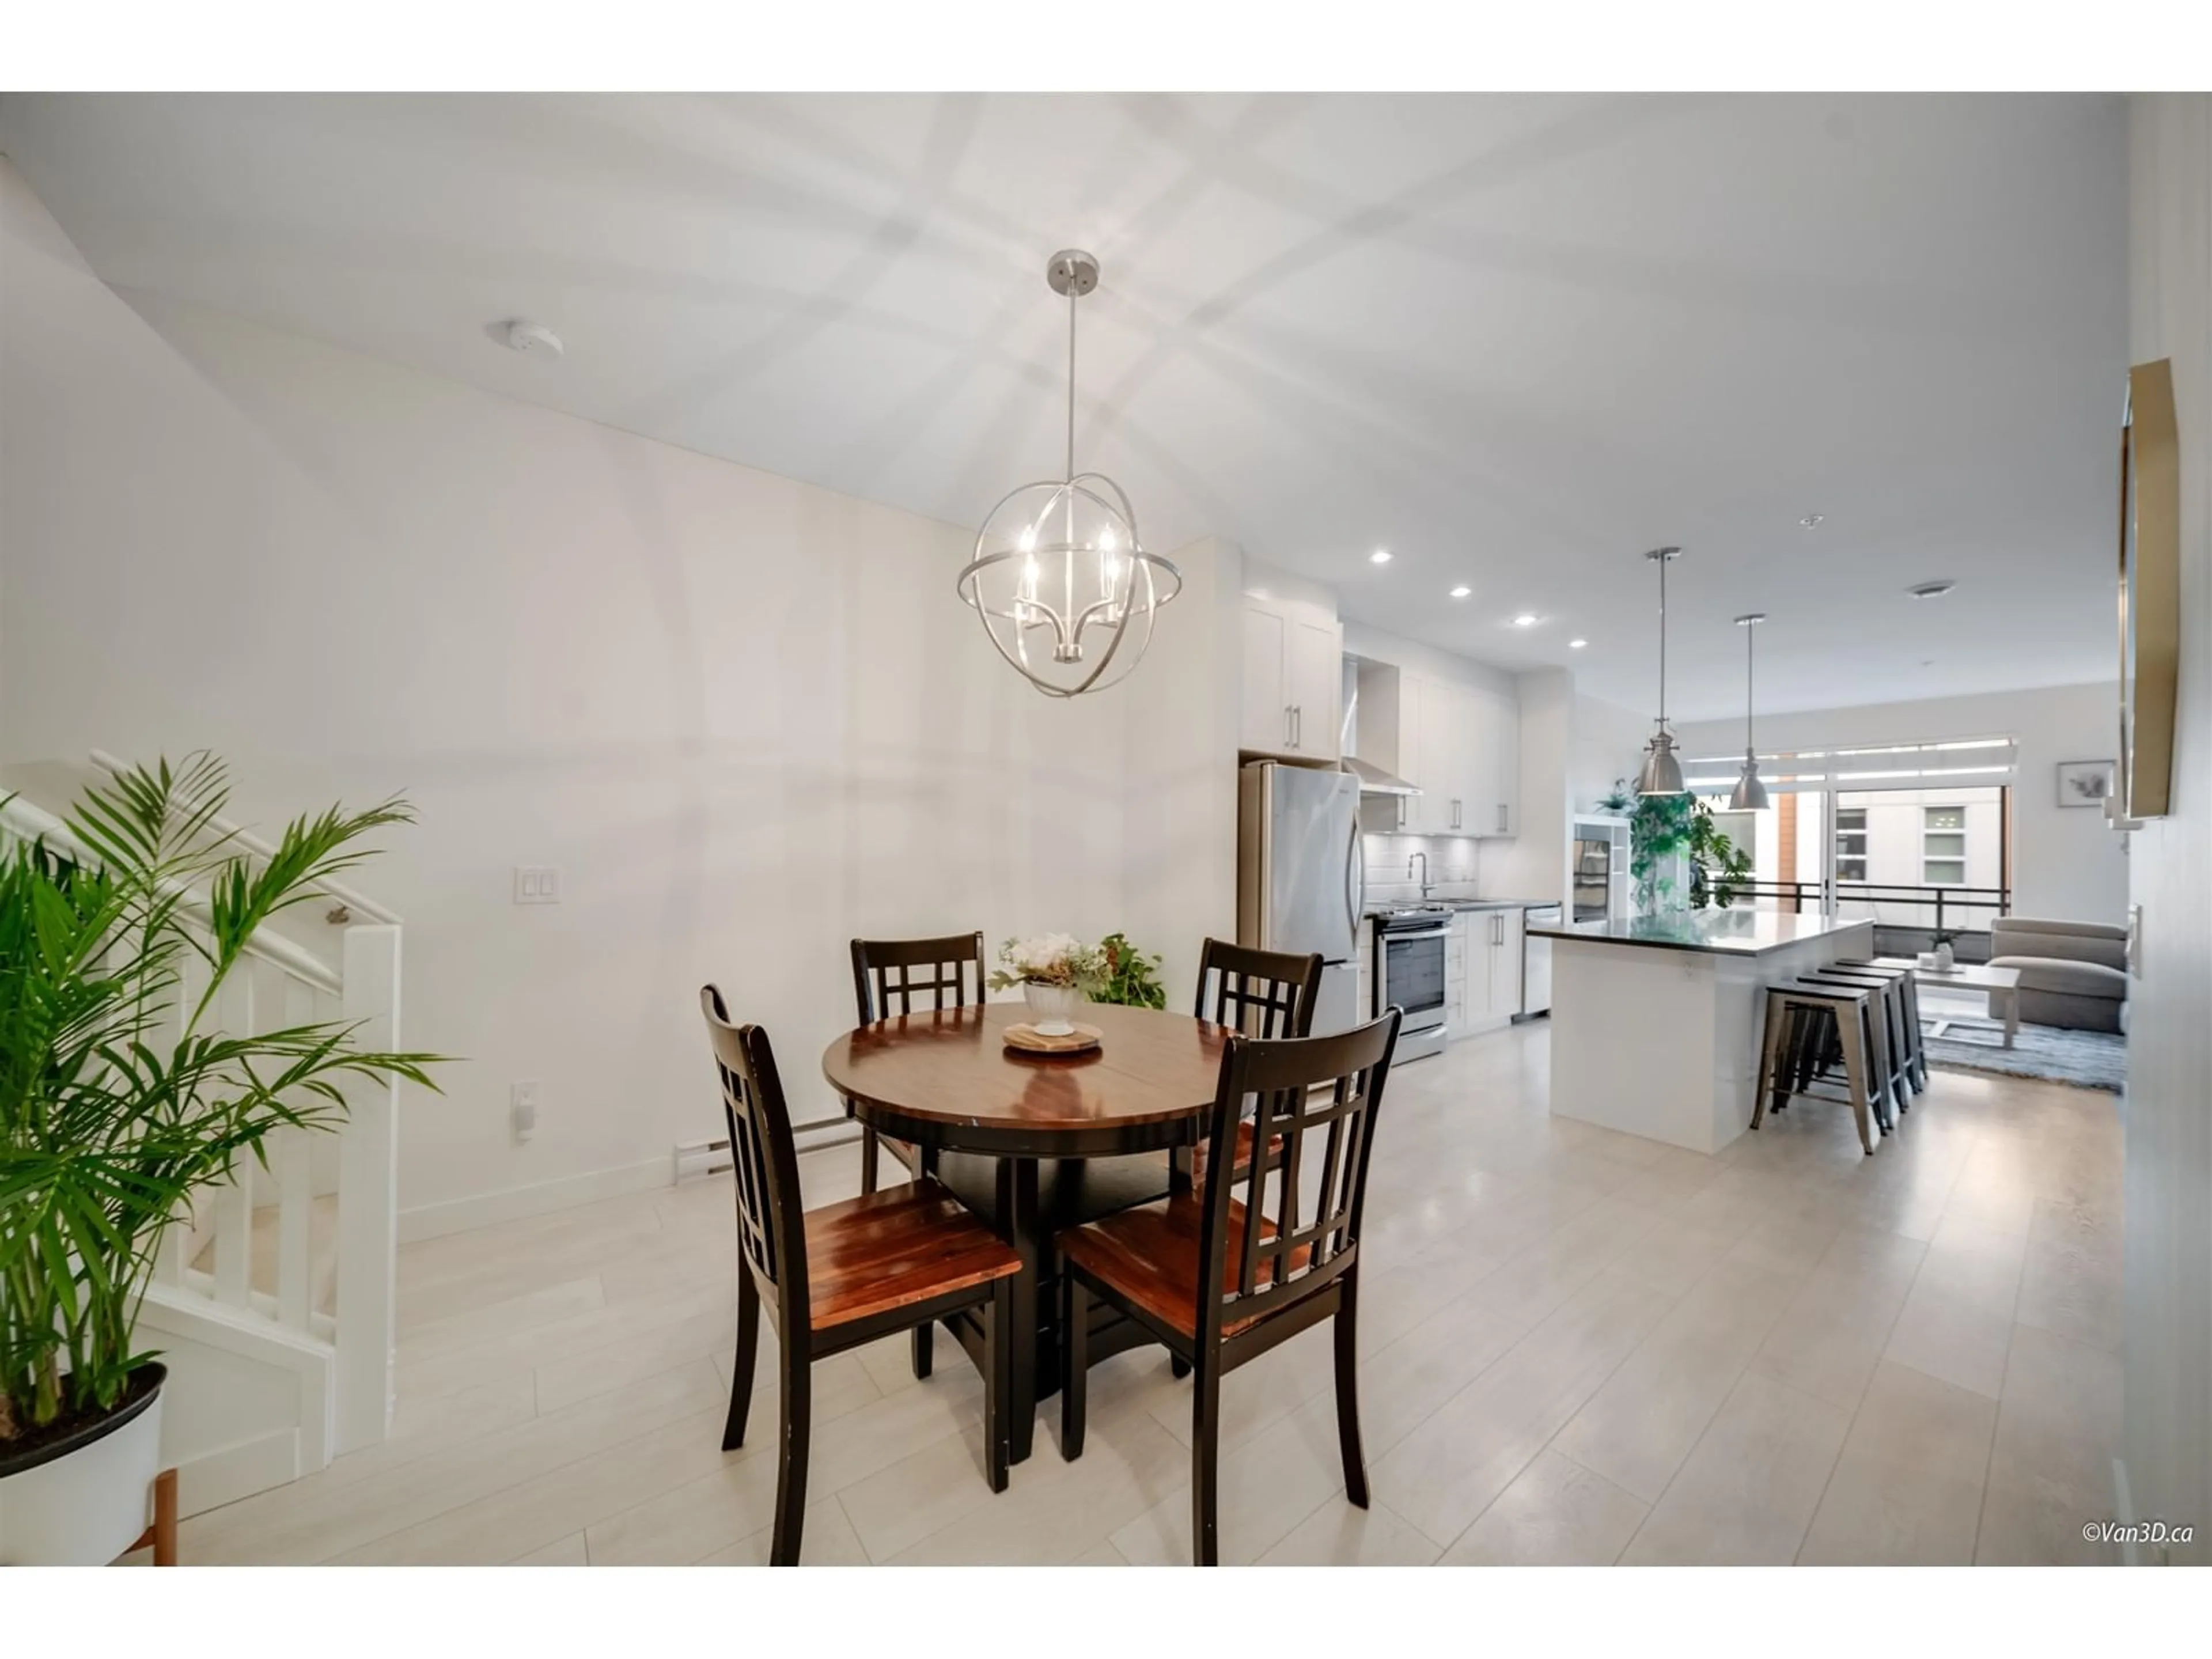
1380 907
1716 933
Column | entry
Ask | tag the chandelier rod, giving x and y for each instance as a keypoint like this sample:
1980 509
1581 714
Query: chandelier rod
1071 297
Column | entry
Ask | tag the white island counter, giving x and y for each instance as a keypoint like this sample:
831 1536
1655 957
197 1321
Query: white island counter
1656 1020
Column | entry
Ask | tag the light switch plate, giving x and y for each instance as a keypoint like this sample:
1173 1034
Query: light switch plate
536 883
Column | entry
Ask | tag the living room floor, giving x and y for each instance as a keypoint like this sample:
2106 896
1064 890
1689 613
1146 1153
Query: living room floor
1579 1346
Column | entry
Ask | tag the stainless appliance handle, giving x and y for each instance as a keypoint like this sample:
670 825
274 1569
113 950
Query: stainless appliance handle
1424 933
1355 882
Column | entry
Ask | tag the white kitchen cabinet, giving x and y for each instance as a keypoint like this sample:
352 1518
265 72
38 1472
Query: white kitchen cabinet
1293 679
1458 953
1497 940
1482 971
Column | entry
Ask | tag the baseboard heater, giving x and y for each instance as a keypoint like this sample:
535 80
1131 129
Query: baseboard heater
701 1157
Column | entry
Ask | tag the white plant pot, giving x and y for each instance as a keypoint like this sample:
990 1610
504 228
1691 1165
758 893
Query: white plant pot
1052 1007
90 1502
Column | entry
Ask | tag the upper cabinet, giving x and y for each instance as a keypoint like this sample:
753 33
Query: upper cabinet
1293 679
1462 744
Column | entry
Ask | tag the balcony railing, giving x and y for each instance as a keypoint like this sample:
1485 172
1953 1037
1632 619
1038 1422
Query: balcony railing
1955 907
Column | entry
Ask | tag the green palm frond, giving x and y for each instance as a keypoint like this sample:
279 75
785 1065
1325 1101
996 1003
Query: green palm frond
119 1103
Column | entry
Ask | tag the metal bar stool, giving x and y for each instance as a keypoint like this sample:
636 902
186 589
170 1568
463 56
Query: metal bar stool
1916 1042
1800 1017
1886 1038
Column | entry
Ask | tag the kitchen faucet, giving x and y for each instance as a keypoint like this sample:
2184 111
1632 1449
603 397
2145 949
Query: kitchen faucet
1424 858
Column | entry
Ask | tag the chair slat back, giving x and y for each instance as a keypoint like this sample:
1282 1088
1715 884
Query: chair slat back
1262 994
764 1161
1319 1097
889 975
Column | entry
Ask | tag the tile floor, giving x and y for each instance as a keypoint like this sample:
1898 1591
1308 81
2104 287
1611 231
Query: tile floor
1579 1347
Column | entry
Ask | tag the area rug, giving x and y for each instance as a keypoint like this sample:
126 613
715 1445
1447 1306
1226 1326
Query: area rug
2087 1060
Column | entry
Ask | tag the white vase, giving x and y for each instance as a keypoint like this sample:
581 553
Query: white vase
89 1504
1944 960
1052 1007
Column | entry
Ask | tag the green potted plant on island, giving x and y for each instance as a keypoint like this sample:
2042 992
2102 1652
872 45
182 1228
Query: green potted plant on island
121 1098
1680 857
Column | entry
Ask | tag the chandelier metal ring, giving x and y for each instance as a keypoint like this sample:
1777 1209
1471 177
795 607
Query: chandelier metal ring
1060 580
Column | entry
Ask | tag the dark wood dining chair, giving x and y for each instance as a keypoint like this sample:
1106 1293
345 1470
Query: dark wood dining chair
1219 1277
843 1275
1262 994
889 977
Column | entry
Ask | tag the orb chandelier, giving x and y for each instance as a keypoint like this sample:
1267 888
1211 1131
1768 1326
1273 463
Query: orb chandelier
1061 578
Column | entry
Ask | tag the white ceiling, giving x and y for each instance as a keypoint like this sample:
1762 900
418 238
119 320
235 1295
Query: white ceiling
1514 340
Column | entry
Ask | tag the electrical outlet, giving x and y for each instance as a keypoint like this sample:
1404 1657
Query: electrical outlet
522 1107
536 883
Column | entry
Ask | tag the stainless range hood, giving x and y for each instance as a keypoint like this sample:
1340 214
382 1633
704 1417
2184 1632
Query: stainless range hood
1373 779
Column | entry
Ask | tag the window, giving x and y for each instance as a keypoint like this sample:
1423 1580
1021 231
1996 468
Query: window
1850 843
1943 846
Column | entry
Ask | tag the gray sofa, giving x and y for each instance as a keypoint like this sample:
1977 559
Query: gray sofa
2073 973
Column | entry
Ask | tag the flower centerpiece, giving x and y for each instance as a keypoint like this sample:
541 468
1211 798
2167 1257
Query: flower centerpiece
1055 972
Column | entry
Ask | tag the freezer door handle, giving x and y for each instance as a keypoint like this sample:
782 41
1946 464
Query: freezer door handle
1355 882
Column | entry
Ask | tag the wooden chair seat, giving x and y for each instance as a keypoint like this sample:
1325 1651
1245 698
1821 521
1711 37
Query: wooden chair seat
1151 1256
896 1248
1244 1154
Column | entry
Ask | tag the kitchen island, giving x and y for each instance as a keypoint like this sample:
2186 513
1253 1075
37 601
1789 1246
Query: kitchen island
1656 1020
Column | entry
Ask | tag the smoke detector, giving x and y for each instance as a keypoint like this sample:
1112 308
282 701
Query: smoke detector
532 339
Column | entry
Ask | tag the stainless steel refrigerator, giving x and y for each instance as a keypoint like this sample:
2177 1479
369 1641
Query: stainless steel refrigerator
1299 884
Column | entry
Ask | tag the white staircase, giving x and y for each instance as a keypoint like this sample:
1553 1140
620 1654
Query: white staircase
272 1302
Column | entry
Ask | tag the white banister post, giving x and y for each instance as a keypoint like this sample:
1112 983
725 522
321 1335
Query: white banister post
368 1196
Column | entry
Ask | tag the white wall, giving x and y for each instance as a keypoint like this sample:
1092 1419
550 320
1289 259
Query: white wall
2169 1105
1608 747
2066 863
746 717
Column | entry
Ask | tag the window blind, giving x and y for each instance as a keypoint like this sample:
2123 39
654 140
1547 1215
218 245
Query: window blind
1954 764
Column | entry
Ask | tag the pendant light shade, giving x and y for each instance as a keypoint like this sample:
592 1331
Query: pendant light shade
1064 586
1662 767
1750 794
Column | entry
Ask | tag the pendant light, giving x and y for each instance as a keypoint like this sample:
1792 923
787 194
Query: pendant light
1750 794
1662 771
1064 586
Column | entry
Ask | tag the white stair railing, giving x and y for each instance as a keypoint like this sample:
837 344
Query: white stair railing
280 983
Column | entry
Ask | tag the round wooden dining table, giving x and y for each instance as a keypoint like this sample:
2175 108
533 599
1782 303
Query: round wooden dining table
945 1080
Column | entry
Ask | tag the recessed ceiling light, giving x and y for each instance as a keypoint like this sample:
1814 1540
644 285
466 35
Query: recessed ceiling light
1380 556
1524 620
1811 520
1462 591
1930 589
1577 645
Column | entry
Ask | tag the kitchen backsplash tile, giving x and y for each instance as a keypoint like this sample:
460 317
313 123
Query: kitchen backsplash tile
1455 866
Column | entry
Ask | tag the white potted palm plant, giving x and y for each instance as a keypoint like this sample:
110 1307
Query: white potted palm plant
120 1098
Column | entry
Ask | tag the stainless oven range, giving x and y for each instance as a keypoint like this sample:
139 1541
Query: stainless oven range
1409 974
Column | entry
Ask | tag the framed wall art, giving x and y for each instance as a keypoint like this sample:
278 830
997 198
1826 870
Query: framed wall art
2085 783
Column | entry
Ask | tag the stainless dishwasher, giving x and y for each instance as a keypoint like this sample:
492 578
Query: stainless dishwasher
1536 961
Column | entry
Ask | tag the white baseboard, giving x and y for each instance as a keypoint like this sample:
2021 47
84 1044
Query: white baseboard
460 1215
230 1472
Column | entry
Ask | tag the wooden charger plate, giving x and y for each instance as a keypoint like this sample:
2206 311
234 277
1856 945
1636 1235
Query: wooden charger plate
1030 1040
